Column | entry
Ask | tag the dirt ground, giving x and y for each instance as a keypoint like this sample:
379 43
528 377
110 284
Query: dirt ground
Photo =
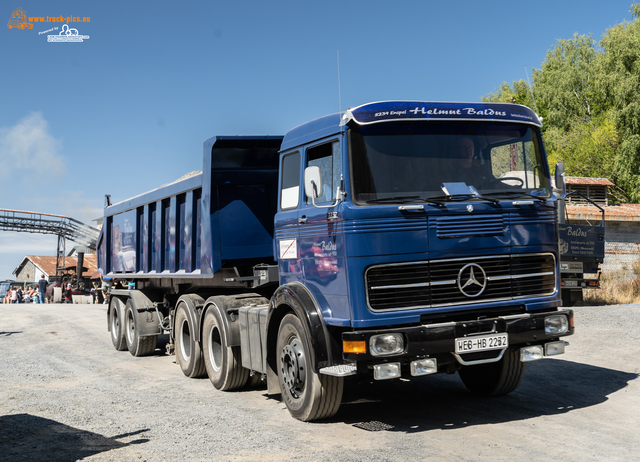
66 394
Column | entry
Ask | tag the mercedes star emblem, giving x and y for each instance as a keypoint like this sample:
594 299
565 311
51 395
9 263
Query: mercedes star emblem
472 280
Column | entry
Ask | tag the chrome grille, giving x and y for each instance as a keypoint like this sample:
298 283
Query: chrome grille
436 283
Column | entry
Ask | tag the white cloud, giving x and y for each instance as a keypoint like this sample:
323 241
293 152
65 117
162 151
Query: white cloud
29 146
15 246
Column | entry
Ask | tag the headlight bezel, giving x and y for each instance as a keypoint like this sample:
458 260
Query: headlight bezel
556 324
394 345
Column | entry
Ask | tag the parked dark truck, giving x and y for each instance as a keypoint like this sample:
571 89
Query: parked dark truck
397 239
581 254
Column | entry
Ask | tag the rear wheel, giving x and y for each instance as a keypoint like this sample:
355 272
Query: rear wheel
495 379
116 324
188 352
223 363
307 395
137 345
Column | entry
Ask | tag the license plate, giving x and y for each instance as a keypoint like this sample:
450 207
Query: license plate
482 343
571 283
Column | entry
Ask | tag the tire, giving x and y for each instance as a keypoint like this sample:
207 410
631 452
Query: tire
495 379
188 351
116 324
137 345
307 395
223 363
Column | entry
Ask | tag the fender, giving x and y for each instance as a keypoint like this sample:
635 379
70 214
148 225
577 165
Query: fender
223 303
298 298
190 302
147 322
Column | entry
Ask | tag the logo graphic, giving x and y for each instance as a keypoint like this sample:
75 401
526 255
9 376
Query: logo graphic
67 35
472 280
19 20
564 247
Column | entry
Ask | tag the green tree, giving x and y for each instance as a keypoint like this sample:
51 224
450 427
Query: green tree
571 82
621 64
518 92
588 147
588 95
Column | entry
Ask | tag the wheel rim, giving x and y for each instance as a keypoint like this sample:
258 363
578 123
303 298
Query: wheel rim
185 340
215 348
293 367
131 327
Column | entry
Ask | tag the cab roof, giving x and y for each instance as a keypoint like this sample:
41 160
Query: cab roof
393 111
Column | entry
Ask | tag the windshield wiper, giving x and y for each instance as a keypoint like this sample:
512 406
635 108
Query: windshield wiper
514 194
460 197
393 199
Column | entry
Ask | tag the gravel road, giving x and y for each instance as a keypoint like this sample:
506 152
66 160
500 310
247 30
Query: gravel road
66 394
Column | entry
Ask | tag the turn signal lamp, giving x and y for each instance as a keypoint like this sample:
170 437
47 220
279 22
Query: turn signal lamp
354 346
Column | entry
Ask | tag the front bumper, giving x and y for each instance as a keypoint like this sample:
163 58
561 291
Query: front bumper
438 340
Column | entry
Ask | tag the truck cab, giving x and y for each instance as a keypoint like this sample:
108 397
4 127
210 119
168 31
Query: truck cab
426 235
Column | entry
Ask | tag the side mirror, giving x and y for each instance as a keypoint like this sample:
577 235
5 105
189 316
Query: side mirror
312 182
560 183
313 187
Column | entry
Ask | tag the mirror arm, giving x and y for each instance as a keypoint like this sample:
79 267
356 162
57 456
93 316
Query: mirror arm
339 199
340 195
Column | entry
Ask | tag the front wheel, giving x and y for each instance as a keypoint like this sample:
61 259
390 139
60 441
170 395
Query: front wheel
495 379
308 395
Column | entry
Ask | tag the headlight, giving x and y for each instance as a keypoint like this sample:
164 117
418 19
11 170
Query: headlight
386 344
386 371
556 325
531 353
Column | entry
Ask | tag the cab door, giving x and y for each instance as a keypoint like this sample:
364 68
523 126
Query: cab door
290 195
321 233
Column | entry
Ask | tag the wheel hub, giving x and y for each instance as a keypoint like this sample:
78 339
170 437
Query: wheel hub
293 364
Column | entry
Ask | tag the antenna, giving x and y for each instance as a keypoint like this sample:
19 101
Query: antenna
339 97
531 90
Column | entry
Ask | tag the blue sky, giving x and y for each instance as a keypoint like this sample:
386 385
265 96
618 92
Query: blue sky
127 110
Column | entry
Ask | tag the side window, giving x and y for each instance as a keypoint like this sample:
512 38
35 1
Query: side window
327 158
290 181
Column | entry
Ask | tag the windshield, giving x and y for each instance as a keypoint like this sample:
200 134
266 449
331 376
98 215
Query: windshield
410 161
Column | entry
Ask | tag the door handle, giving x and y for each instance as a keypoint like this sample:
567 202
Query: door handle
302 220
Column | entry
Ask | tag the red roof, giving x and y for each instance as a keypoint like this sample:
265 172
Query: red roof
576 180
622 212
48 264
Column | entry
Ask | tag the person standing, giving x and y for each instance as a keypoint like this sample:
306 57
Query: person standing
14 295
68 294
42 288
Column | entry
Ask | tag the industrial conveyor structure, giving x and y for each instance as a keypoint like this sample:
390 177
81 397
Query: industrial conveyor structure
46 223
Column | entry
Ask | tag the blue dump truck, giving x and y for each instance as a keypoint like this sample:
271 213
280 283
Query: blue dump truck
396 239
